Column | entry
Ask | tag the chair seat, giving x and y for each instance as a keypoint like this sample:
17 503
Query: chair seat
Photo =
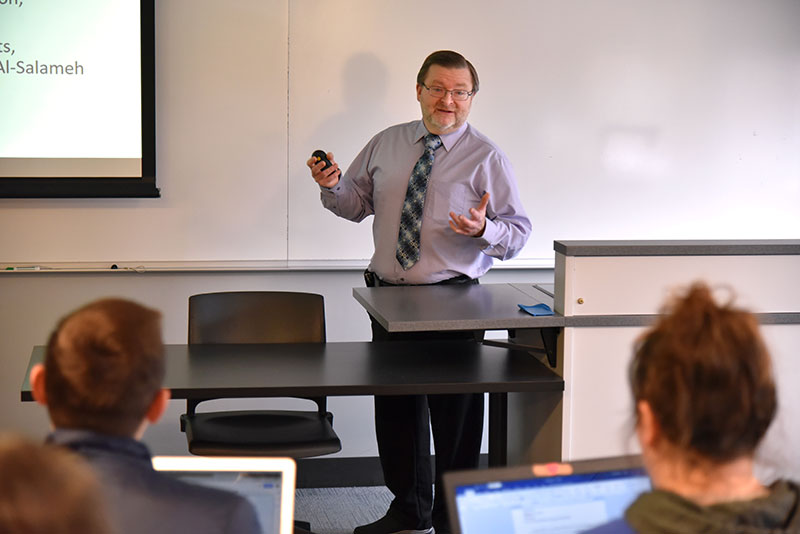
261 433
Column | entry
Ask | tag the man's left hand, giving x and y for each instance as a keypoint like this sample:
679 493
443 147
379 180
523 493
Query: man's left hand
475 224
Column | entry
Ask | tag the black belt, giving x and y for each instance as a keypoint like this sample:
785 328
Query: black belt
373 280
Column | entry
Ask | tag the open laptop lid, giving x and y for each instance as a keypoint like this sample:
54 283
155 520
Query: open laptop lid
268 483
514 500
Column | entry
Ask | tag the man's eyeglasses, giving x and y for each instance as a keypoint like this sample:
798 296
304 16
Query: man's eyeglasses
459 95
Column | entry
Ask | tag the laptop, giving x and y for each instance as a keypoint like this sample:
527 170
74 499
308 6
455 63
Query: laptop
514 500
268 483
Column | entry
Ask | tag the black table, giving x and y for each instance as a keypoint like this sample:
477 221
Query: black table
354 368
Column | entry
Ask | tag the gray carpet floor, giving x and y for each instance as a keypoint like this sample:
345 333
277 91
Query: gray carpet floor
340 510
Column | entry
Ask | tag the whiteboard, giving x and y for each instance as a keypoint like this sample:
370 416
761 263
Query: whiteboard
624 119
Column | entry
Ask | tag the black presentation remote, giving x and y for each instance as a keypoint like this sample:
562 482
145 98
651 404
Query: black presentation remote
321 155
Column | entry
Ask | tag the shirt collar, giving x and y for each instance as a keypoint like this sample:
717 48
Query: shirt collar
448 139
88 442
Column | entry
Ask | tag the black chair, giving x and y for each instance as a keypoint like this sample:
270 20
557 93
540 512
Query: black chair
258 317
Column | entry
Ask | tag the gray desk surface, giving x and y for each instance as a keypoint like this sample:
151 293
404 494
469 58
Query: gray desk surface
720 247
354 368
345 368
456 307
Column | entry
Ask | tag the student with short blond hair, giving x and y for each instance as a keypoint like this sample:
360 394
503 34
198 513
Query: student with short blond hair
102 384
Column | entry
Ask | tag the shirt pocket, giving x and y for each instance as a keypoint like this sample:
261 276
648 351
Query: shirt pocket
444 198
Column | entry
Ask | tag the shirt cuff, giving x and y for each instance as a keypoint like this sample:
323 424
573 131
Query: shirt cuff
490 234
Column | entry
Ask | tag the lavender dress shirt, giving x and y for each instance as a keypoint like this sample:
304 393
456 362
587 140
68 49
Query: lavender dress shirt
467 166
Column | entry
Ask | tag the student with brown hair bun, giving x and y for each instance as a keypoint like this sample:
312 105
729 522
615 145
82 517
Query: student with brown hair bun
47 490
705 395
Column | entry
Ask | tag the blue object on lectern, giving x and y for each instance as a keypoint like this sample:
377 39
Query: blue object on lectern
536 309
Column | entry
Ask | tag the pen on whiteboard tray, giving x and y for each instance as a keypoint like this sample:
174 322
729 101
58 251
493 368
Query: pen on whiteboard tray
24 268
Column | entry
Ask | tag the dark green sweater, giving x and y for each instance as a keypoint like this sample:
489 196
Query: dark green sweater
661 512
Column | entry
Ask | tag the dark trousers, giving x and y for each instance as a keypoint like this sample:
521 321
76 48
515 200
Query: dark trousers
402 431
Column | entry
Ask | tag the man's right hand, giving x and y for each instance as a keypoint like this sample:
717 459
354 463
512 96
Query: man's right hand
328 177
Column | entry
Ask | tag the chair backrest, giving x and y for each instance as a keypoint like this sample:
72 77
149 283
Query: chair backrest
239 317
256 317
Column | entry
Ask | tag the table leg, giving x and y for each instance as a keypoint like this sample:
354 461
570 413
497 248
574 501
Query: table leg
498 429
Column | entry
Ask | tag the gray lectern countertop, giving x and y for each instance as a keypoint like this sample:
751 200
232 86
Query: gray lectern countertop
721 247
456 307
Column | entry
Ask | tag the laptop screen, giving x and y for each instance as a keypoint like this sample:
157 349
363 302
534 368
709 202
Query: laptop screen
513 500
268 483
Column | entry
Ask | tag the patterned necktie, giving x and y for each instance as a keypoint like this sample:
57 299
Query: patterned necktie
407 252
